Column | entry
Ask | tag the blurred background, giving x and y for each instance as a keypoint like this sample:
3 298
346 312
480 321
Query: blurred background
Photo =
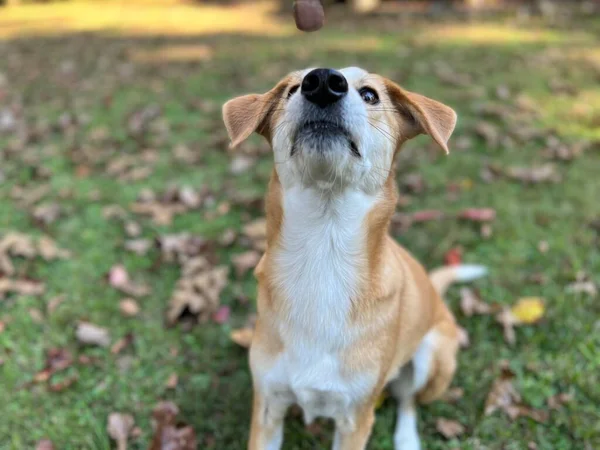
128 229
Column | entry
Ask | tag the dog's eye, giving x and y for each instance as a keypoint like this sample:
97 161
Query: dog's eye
293 90
369 95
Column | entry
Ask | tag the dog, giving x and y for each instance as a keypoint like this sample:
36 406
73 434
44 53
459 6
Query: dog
343 310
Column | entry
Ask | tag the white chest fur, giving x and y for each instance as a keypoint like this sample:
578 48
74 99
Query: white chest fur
318 268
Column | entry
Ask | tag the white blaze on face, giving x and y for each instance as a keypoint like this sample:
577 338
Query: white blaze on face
337 167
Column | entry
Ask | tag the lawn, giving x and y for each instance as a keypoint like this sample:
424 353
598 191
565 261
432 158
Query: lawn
99 105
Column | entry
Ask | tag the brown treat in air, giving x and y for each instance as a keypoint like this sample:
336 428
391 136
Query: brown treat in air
309 15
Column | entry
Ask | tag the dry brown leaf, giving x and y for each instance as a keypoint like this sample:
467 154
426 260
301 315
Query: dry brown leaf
36 315
182 247
21 287
49 250
471 303
502 394
584 287
119 279
47 213
463 338
129 307
545 173
167 436
122 343
488 132
88 333
139 246
241 163
18 244
449 428
44 444
508 322
245 262
57 359
453 395
558 400
256 231
63 384
172 381
228 237
54 303
197 291
119 427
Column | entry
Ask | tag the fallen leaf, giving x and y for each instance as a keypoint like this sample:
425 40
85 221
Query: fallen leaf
471 303
63 384
54 303
528 310
488 132
139 246
256 231
545 173
122 343
119 279
221 315
478 214
36 315
240 164
88 333
133 229
197 291
172 381
463 338
44 444
129 307
119 426
502 394
508 322
585 287
228 237
47 213
245 261
558 400
21 287
49 250
453 395
449 428
453 256
57 360
426 215
167 436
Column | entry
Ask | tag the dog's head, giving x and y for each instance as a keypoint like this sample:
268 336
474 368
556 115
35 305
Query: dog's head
333 129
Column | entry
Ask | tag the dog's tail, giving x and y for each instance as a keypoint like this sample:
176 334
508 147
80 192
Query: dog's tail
444 276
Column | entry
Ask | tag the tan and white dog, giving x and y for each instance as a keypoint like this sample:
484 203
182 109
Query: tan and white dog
343 310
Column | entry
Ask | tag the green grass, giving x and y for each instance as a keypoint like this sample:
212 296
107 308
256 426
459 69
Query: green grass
560 354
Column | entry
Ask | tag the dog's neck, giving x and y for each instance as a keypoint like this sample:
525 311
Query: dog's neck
347 228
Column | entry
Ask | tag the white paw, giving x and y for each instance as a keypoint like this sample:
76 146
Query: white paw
406 439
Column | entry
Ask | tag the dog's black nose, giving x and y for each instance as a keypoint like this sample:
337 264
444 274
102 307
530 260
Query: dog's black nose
323 87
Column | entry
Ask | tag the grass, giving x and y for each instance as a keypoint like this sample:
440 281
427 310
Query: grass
92 68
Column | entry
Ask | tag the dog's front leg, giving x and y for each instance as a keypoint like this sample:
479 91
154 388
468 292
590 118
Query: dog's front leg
266 429
352 433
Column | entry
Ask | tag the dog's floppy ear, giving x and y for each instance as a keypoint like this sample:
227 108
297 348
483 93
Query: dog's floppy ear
249 113
422 115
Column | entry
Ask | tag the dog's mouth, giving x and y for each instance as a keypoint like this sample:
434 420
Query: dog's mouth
321 134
